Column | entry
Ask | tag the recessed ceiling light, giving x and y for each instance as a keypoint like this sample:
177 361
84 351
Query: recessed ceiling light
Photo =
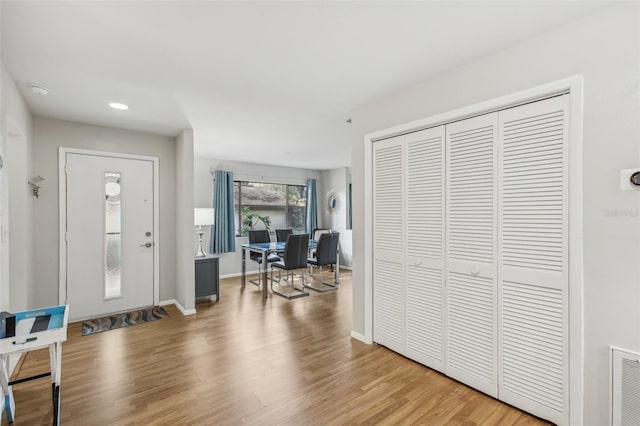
39 90
118 105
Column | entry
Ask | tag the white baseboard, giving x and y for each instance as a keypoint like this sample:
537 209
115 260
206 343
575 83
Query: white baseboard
360 337
347 267
178 305
238 274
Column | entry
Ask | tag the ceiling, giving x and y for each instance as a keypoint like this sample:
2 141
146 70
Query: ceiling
263 82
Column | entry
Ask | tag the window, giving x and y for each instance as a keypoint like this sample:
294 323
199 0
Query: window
112 220
275 206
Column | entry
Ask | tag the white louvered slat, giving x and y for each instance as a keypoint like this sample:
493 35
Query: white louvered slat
424 185
389 322
388 200
532 252
529 142
471 179
532 339
471 298
425 311
471 342
388 241
425 193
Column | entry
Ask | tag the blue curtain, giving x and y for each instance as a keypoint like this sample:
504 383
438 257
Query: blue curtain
312 206
223 232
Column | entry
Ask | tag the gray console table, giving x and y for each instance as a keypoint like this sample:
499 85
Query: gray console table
207 276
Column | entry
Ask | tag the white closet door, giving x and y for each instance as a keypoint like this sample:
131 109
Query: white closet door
471 252
424 183
533 275
388 244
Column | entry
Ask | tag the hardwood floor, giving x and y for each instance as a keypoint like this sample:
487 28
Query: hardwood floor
245 360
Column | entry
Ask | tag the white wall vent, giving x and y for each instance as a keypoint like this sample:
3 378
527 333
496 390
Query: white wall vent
625 388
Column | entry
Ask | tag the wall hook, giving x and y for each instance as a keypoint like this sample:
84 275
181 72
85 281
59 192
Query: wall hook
35 188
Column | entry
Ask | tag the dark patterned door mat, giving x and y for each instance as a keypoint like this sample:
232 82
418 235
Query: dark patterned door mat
124 319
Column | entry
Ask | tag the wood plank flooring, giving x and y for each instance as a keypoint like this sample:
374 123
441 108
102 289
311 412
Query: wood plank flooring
245 360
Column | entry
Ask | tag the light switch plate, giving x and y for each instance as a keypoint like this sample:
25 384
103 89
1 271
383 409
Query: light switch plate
625 183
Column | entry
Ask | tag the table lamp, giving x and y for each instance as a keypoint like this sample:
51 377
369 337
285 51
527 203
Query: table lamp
201 218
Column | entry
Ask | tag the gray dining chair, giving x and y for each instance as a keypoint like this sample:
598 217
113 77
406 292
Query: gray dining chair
294 258
281 237
315 235
282 234
260 236
326 254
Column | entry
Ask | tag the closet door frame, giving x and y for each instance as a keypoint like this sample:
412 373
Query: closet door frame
574 87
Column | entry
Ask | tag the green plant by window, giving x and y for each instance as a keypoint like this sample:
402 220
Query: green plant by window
250 219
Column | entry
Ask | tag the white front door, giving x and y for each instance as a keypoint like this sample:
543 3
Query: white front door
109 234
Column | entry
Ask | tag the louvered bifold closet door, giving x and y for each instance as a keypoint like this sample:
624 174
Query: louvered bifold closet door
388 243
533 267
471 252
424 185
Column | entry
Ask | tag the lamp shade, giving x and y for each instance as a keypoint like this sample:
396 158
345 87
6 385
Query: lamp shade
202 217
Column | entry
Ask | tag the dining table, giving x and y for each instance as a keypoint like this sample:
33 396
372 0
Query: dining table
264 249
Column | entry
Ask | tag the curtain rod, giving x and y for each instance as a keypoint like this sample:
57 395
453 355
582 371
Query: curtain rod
262 177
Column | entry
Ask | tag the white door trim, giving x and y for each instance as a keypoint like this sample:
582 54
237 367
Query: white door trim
62 179
572 85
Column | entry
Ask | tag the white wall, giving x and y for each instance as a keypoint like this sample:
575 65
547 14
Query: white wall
185 267
336 180
230 263
48 135
17 278
604 48
4 221
21 253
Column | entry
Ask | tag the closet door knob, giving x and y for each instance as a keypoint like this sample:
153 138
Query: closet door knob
475 271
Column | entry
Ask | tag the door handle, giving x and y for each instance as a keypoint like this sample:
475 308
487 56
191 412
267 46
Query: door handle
475 271
147 245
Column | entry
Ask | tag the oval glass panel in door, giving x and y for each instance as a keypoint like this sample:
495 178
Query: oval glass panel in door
113 214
